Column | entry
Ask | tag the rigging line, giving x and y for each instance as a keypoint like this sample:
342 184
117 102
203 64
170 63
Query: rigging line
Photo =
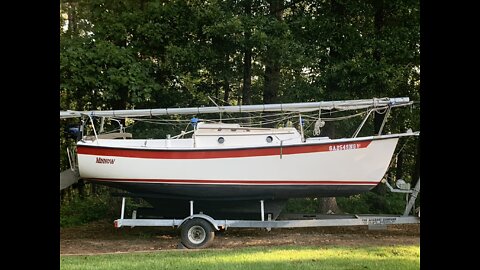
314 115
273 119
160 120
186 128
232 118
377 110
314 118
295 117
253 117
333 111
396 155
219 108
209 119
337 118
311 123
164 124
288 115
264 123
213 102
268 122
278 114
220 100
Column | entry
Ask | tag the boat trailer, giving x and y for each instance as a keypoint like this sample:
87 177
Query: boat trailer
198 229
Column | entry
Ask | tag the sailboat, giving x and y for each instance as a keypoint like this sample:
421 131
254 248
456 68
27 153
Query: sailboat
226 166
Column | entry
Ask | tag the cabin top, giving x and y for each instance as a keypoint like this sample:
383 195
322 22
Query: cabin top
234 135
215 129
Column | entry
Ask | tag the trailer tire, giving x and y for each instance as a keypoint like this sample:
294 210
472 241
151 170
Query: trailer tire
197 233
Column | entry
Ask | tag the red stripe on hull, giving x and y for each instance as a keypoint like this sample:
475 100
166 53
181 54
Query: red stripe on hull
220 153
254 182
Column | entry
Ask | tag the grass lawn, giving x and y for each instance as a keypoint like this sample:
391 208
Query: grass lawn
369 257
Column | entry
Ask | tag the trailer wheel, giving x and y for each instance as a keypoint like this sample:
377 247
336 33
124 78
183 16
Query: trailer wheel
197 233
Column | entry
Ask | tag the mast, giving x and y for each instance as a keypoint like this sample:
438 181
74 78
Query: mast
287 107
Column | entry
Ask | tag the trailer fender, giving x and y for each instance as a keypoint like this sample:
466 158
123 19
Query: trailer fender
202 216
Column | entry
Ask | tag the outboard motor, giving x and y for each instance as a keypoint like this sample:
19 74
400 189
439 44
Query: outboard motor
71 176
74 132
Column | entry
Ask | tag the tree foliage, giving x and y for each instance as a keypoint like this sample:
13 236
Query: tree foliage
122 54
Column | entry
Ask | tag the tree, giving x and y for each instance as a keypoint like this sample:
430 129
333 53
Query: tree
150 53
247 55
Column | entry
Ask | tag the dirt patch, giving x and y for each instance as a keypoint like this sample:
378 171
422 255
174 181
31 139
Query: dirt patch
102 237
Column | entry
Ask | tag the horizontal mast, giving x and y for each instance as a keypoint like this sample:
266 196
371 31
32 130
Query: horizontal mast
287 107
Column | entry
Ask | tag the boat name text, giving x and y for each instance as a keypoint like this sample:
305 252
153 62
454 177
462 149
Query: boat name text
340 147
105 160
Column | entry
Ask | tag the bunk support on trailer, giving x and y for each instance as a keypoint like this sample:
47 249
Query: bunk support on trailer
262 210
122 213
413 197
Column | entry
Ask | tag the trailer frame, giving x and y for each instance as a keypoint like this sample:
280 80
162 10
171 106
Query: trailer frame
198 229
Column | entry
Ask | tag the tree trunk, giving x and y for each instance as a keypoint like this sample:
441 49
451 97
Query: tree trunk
335 56
247 60
328 206
226 88
68 193
122 102
62 196
247 77
272 82
272 63
379 21
81 188
93 188
399 171
72 19
416 169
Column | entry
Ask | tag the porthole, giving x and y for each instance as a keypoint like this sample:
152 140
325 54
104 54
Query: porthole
269 139
221 140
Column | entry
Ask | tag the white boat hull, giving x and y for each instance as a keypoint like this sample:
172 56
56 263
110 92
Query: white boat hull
317 168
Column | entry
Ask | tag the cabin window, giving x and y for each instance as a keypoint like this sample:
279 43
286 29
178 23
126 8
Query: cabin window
221 140
269 139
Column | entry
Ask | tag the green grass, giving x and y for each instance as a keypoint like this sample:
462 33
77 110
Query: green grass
384 257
